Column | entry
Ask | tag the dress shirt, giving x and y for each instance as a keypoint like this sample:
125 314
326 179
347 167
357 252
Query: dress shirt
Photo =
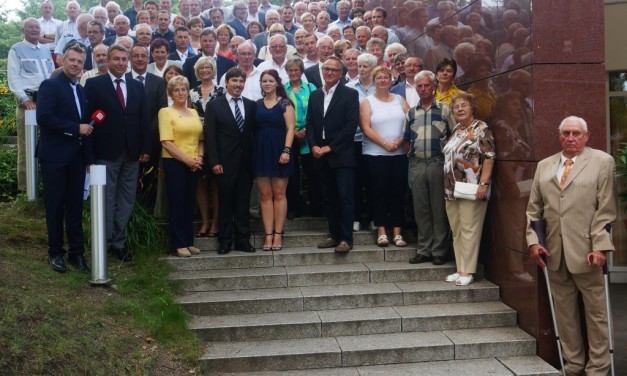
411 95
562 166
65 29
328 96
182 55
309 63
135 75
341 24
27 66
76 98
240 104
122 85
49 27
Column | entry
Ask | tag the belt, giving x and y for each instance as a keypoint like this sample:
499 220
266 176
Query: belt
32 93
437 158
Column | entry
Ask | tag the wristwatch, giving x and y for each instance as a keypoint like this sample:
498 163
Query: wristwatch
483 183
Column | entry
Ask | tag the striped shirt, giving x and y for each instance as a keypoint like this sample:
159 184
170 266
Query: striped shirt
427 130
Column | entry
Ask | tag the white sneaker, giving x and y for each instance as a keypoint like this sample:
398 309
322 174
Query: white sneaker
464 280
356 226
371 226
452 277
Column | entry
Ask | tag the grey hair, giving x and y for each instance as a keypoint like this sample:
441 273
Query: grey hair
401 48
205 60
282 36
367 58
581 122
272 12
324 39
425 74
249 44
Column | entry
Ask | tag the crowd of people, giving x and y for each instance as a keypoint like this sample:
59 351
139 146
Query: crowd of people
329 109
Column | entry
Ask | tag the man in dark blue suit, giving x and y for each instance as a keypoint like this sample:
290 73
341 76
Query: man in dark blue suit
64 150
332 118
229 123
95 33
120 142
208 40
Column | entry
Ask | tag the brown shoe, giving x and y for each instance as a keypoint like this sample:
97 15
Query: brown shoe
329 243
419 259
343 247
193 250
439 260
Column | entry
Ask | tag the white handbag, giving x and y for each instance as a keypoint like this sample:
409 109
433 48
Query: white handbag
465 191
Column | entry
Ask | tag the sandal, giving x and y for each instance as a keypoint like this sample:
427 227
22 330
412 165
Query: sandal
382 241
279 246
266 246
399 241
201 234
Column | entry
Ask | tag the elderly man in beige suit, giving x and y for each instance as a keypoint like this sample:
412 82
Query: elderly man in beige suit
574 192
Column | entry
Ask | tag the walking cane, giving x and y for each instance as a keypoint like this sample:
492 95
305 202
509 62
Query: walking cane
606 279
540 229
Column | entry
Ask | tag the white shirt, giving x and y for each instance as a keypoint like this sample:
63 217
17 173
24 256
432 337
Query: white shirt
182 56
135 75
327 100
49 27
411 95
240 104
122 85
309 63
562 166
252 88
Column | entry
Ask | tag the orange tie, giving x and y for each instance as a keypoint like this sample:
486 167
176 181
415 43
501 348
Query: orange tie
568 163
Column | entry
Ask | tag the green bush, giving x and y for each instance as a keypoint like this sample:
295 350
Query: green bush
7 109
8 174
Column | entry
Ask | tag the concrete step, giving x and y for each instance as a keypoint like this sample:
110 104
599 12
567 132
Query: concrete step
312 298
530 365
349 322
297 238
310 275
293 256
355 351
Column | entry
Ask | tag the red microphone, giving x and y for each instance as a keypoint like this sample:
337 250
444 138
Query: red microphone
97 117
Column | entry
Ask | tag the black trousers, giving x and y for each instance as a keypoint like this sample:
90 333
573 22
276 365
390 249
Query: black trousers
388 176
180 183
233 204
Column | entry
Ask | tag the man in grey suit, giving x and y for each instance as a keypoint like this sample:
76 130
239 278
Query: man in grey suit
573 191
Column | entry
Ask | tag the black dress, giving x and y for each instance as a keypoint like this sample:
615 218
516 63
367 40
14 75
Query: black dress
270 141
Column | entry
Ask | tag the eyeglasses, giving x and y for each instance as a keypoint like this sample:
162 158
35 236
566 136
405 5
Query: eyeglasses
460 106
330 70
277 47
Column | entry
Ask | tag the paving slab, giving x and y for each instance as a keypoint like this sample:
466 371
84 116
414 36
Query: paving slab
264 326
397 254
243 301
491 342
390 271
344 371
528 366
276 355
395 348
438 292
359 321
315 256
351 296
320 275
231 279
472 367
429 317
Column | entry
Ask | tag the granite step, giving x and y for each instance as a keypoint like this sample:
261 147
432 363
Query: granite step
292 299
530 365
292 256
310 275
349 322
296 238
364 350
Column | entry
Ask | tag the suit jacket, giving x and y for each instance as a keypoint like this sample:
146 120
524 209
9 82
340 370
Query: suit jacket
239 27
339 123
224 144
223 64
88 57
123 128
575 216
59 120
156 99
313 75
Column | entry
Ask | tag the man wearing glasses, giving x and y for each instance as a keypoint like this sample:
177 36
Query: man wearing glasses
332 118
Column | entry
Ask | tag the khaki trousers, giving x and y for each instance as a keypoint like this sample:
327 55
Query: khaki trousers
565 288
20 121
466 220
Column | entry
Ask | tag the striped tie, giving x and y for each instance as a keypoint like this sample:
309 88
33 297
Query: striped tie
239 119
568 163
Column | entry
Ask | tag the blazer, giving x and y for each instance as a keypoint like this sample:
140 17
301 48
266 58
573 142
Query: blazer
339 123
224 143
313 75
122 129
59 120
156 98
575 216
223 64
239 27
88 54
175 56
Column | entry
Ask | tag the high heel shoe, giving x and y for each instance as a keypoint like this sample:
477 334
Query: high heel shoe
266 246
279 246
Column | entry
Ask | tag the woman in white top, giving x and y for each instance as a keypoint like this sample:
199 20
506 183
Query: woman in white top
382 116
159 52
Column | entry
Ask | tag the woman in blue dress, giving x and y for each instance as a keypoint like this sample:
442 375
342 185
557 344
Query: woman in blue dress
275 119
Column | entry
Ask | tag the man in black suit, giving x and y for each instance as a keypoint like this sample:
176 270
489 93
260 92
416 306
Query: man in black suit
64 152
332 118
120 142
229 123
208 40
314 73
181 43
95 33
156 99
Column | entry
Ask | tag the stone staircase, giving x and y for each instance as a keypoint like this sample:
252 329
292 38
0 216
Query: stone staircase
309 311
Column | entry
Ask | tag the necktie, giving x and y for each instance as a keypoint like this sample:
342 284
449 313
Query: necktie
141 79
568 163
239 119
118 90
77 100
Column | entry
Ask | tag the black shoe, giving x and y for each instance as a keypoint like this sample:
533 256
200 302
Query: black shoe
439 260
78 261
123 254
223 251
57 264
245 247
419 259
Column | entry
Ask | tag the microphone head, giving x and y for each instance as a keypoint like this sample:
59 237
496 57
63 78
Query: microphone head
98 116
